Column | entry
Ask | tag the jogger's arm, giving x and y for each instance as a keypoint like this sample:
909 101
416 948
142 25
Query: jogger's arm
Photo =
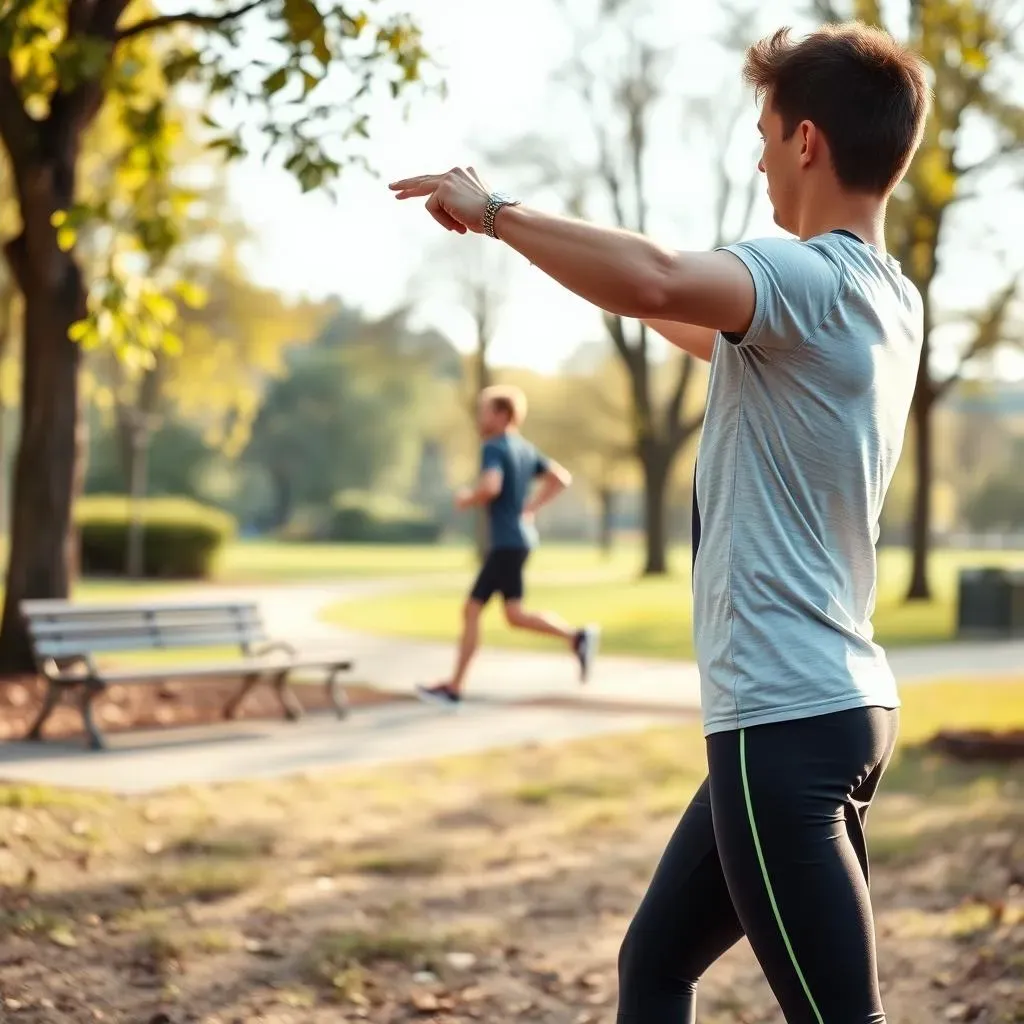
553 481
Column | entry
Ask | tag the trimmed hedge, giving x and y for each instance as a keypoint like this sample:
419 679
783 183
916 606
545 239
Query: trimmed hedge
180 536
359 517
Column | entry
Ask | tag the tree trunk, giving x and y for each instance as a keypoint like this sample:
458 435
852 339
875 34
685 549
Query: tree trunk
41 554
656 464
921 522
4 527
606 536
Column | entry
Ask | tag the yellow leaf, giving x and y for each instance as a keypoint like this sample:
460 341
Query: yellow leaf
79 330
66 238
974 58
193 295
172 344
161 308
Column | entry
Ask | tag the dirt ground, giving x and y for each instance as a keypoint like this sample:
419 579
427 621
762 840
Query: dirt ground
121 708
487 888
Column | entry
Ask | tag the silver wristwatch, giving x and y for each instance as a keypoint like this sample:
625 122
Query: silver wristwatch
495 201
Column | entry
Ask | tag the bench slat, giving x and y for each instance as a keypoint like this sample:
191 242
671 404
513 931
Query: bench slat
213 668
68 610
66 647
129 626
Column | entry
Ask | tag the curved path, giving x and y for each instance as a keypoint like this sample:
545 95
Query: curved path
518 697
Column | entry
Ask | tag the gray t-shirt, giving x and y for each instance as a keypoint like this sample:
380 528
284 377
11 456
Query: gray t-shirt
805 421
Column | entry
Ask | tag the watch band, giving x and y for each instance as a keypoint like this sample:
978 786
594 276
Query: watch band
495 201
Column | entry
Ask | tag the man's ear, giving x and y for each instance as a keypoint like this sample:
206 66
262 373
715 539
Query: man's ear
810 142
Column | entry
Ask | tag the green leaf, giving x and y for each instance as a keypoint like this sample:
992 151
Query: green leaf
303 19
309 83
321 49
275 82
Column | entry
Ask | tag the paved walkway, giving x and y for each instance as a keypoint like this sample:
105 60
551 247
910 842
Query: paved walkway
516 697
142 762
396 664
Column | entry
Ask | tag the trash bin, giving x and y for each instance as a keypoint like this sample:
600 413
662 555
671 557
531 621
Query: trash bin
991 603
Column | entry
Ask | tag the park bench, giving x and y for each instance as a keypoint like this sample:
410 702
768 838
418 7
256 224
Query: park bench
66 639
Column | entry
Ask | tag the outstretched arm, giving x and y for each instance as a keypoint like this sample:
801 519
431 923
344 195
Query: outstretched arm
629 275
618 271
553 481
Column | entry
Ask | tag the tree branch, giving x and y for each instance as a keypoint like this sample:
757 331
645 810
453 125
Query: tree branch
187 18
618 335
989 333
17 129
674 409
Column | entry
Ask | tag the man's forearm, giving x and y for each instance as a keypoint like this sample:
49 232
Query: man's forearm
617 270
550 489
479 495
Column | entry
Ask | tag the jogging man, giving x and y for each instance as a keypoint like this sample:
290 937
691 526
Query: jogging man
814 344
509 467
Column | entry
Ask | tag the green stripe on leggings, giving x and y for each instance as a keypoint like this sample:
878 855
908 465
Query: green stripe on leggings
767 880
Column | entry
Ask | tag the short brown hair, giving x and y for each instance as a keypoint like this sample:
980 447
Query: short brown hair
508 400
864 91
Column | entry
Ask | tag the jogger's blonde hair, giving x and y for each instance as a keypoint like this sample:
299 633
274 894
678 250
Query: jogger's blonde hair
507 398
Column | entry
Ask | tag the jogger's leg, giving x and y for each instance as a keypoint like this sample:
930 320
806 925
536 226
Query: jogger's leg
469 642
685 922
538 622
782 798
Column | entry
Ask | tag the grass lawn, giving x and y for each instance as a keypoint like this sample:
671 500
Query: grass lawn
270 561
652 617
493 887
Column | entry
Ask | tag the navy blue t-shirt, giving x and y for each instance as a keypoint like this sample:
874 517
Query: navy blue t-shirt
520 463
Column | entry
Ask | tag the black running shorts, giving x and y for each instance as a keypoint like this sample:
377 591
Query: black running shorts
501 573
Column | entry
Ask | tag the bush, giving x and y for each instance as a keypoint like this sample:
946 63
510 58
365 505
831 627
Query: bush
363 518
180 536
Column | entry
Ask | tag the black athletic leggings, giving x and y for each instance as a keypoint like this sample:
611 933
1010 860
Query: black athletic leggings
771 847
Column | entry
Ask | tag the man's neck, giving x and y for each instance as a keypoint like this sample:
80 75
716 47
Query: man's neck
863 216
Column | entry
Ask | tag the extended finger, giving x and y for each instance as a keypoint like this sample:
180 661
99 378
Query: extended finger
421 185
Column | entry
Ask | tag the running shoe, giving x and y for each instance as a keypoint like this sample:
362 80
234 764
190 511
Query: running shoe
443 694
585 648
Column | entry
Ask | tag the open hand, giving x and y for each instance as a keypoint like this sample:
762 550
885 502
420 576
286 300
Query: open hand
457 200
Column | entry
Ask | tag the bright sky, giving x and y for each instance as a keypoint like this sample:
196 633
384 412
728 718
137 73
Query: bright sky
499 60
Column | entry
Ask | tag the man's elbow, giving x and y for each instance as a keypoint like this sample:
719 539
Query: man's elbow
560 476
656 287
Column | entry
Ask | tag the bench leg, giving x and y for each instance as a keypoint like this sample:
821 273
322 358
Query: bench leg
89 694
335 690
54 692
232 706
286 695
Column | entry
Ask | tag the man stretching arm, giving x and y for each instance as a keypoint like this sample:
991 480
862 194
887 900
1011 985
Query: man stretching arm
812 378
509 467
